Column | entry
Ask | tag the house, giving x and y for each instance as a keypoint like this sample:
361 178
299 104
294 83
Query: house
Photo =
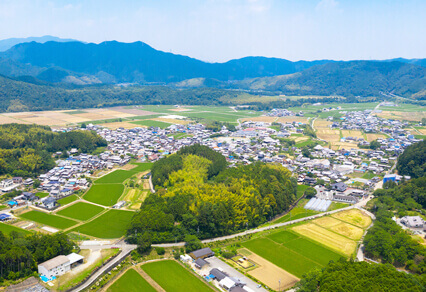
59 265
412 221
200 263
6 183
202 253
17 180
217 274
49 202
340 187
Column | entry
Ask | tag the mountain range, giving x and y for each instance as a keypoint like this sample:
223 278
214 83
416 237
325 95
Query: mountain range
45 62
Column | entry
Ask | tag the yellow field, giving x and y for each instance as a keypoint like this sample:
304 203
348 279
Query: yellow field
409 116
352 133
324 132
326 237
372 137
355 217
348 230
7 120
326 222
181 109
173 121
343 145
293 119
270 274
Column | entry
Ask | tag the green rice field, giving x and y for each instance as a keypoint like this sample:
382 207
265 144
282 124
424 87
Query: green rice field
131 281
67 200
6 229
81 211
141 167
115 177
284 257
171 276
112 224
104 194
48 219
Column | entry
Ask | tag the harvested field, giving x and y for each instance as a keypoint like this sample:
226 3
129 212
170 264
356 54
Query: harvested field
92 116
399 115
348 230
292 119
180 109
344 145
355 217
45 121
372 137
352 133
134 111
270 274
326 222
7 120
326 237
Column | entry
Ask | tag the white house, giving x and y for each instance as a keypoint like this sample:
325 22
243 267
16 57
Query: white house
59 265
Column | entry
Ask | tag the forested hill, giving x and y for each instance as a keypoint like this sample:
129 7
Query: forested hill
355 78
26 150
197 194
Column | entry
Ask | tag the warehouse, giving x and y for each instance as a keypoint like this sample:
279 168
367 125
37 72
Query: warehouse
58 265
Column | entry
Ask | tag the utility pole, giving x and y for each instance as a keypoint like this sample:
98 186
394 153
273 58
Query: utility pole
279 285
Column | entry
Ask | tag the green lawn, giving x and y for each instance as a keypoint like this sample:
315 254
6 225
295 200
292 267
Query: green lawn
171 276
151 123
141 167
283 236
115 177
2 207
67 200
297 212
281 256
131 281
368 175
104 194
6 229
312 250
48 219
112 224
41 195
81 211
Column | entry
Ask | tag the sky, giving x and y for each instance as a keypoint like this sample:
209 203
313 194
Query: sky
220 30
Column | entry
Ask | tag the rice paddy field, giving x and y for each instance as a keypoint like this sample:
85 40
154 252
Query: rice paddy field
151 123
171 276
81 211
67 200
355 217
48 219
112 224
6 229
104 194
131 281
115 177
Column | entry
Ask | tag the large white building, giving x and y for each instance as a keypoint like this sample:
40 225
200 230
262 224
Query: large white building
59 265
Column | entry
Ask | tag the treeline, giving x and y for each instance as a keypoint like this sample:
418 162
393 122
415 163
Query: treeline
351 276
19 255
26 150
413 161
386 240
197 194
22 96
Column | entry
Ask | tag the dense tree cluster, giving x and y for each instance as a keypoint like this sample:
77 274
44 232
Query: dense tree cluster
386 240
26 150
359 276
19 255
200 196
413 161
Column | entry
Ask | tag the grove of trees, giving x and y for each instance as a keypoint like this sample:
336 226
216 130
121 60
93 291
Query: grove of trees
413 161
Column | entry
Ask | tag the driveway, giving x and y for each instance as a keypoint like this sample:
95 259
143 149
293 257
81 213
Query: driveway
233 273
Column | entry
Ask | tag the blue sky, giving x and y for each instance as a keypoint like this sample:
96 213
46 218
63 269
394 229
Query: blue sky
220 30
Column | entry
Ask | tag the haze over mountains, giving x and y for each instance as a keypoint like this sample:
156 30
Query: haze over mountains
67 61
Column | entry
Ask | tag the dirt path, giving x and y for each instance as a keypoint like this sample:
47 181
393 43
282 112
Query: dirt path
149 280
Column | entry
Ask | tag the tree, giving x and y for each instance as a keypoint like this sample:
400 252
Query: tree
375 144
310 192
36 183
83 126
144 242
192 243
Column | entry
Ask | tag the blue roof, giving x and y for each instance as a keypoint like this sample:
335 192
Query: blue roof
12 202
4 216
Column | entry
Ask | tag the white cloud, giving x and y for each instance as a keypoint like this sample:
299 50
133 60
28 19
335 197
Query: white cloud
328 6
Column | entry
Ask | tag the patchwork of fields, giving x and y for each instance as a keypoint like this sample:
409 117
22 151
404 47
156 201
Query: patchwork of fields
131 281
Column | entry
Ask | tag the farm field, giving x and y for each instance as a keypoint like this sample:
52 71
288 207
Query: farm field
352 133
270 274
328 238
48 219
104 194
112 224
141 167
297 212
6 229
67 200
355 217
403 115
81 211
116 177
171 276
152 123
283 257
131 281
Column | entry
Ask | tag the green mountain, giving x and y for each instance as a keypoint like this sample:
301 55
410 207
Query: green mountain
117 62
354 78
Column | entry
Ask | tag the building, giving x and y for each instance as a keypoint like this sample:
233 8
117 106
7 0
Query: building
412 221
345 199
202 253
59 265
200 263
340 187
389 177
